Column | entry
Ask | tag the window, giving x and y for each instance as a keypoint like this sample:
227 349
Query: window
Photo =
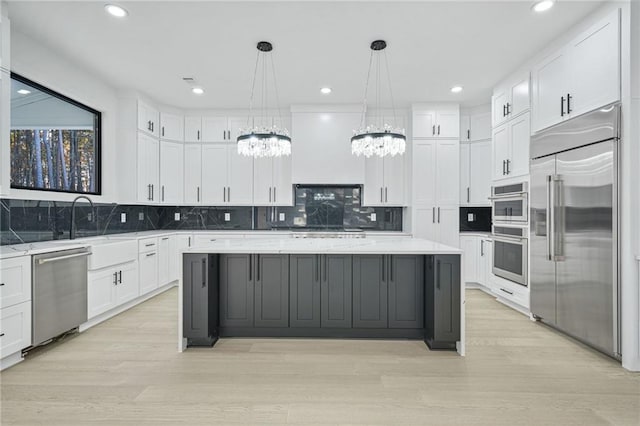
55 141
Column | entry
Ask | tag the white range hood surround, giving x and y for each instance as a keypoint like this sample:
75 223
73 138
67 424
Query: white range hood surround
321 147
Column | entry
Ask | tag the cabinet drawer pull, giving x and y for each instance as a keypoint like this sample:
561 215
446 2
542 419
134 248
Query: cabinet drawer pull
562 106
198 134
165 238
120 277
438 275
162 130
1 284
1 334
433 131
569 103
438 129
151 254
150 245
506 291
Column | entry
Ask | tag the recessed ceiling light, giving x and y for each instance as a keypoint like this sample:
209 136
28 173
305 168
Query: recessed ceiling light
197 90
456 89
543 5
325 90
115 10
24 91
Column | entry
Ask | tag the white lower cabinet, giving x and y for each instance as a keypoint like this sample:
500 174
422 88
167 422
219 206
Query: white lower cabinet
111 287
469 246
148 268
15 328
478 255
439 224
176 244
164 254
16 281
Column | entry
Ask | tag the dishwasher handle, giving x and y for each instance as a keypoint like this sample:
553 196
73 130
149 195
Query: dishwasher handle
69 256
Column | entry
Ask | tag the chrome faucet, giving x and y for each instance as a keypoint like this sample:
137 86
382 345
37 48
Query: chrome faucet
72 229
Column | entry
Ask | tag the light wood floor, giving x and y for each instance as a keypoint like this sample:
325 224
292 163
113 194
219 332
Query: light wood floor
127 372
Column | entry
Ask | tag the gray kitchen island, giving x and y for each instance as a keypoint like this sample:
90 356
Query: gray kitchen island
393 288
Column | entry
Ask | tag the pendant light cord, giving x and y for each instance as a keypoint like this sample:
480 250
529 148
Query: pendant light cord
393 104
366 92
250 117
275 85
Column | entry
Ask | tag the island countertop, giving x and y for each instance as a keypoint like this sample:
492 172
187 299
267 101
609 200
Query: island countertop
369 245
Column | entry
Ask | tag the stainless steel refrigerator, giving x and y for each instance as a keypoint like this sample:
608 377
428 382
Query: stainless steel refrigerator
574 228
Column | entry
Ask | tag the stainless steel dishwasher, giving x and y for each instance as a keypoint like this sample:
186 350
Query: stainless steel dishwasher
59 293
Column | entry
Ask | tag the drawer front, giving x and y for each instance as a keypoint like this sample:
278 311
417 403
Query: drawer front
147 244
15 285
513 292
15 328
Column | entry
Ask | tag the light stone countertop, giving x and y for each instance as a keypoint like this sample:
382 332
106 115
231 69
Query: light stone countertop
370 245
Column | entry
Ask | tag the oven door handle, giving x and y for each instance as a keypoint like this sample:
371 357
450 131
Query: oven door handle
518 195
509 239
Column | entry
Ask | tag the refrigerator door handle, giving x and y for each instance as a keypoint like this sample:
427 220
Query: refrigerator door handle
558 229
550 219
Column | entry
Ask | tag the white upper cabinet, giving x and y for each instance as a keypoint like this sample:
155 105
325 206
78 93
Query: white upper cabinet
510 99
436 121
214 129
148 119
480 173
148 177
215 165
475 125
582 76
171 172
272 185
171 127
511 148
192 173
475 173
227 177
193 128
384 181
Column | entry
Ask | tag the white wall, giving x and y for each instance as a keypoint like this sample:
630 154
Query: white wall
47 67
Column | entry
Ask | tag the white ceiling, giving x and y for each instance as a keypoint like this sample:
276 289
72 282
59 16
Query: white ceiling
431 45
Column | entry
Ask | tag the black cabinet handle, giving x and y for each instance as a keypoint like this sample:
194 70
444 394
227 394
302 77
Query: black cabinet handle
384 259
569 103
504 167
250 266
481 247
162 192
120 277
508 164
562 106
386 194
504 110
507 291
433 131
151 254
438 129
381 194
508 108
274 194
438 214
162 130
438 275
326 268
204 273
153 196
198 135
1 334
390 268
257 267
469 134
115 278
198 194
1 284
468 194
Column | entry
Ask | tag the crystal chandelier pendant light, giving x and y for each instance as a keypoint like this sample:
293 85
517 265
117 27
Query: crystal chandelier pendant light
262 137
379 138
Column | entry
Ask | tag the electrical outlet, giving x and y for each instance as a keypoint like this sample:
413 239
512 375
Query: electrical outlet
227 217
470 217
90 217
281 217
140 216
176 217
123 217
373 217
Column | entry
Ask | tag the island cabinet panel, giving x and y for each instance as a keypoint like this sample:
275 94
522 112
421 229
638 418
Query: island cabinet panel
236 290
200 293
406 291
369 291
336 290
442 301
304 290
271 290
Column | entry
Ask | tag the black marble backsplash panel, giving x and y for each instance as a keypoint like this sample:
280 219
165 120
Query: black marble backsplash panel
316 208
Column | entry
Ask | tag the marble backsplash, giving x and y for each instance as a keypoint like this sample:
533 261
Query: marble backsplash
24 221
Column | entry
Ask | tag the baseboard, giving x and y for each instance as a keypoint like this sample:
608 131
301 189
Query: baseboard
11 360
519 308
478 286
124 307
